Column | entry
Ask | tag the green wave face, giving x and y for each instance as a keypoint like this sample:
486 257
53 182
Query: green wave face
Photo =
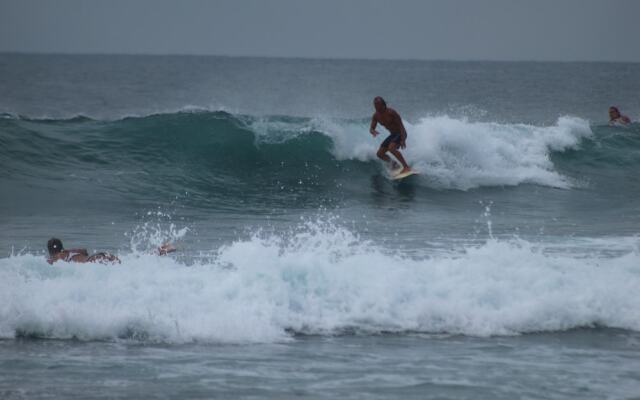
232 161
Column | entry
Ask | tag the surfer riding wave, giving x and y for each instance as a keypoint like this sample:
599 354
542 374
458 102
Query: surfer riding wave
390 119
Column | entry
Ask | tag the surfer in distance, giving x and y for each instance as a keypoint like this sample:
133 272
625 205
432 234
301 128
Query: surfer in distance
58 253
616 118
390 119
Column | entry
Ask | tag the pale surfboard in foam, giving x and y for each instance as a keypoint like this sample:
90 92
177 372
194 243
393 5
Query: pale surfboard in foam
396 175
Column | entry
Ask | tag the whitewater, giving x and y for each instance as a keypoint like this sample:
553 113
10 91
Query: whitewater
322 281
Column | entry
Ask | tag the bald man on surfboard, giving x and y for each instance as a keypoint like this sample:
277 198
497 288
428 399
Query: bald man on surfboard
390 119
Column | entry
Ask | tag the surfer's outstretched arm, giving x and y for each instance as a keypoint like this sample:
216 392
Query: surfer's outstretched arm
374 123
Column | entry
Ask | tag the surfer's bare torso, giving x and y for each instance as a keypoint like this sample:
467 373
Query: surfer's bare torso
390 119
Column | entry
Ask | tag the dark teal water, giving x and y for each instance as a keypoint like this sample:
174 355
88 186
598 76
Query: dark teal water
507 268
562 366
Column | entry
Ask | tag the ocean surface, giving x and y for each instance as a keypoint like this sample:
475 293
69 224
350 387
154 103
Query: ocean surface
509 268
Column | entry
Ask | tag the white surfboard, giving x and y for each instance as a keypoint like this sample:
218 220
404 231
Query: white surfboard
398 175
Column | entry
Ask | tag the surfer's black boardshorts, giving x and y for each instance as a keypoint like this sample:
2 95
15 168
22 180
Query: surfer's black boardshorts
392 138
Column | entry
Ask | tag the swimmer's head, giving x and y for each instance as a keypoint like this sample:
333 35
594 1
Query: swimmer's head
614 112
379 104
54 246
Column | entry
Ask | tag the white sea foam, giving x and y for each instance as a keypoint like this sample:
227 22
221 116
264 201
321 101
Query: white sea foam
278 131
322 280
458 154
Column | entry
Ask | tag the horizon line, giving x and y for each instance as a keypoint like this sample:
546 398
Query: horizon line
310 58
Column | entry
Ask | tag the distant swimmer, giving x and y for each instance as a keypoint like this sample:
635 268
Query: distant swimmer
615 118
390 119
58 253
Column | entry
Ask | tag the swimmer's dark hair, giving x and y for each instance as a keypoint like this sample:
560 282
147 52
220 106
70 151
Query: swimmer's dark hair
378 98
54 246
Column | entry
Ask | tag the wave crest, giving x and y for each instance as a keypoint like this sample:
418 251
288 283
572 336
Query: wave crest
202 146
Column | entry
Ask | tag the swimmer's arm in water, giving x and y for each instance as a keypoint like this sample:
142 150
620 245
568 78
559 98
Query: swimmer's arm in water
374 123
166 249
84 252
60 256
77 255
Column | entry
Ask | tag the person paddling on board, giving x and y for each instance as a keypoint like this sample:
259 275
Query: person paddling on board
390 119
58 253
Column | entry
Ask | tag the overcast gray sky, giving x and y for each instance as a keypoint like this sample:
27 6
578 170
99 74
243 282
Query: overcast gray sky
564 30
